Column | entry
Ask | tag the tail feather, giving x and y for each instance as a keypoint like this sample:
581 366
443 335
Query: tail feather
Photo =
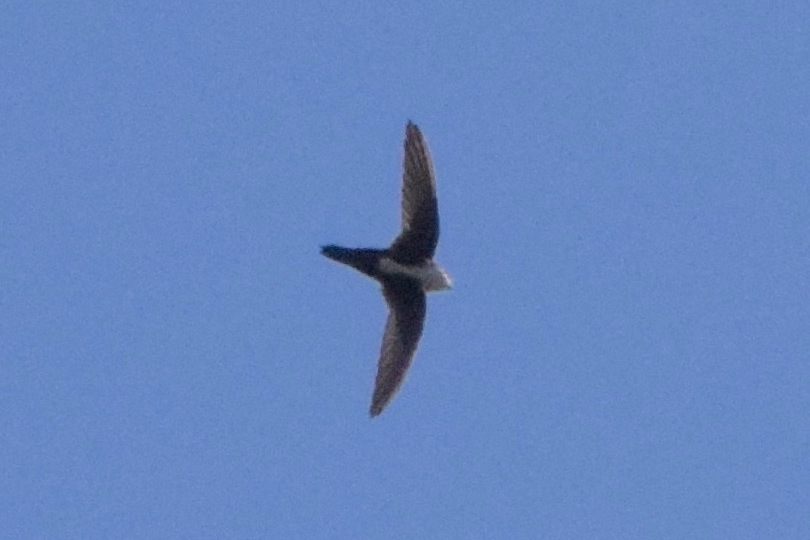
364 260
336 253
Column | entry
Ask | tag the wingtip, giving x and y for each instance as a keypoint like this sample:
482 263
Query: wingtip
376 408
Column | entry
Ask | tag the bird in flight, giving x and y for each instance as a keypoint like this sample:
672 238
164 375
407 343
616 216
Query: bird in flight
405 270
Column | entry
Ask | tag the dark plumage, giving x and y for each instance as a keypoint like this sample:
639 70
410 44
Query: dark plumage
405 270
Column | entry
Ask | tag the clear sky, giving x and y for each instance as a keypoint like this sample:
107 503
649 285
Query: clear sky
624 191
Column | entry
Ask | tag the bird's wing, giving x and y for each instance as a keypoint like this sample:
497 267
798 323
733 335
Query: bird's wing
406 318
420 209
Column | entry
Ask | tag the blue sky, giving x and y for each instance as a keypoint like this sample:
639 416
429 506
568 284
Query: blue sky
625 200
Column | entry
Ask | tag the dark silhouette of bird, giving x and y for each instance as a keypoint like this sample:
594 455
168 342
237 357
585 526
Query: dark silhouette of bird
405 270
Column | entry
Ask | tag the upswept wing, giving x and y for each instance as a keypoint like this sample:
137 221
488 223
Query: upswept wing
420 210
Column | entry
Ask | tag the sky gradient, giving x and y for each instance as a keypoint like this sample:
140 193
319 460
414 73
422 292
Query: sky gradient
624 191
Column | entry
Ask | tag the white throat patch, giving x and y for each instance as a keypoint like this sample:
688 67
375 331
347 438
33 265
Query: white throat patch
430 275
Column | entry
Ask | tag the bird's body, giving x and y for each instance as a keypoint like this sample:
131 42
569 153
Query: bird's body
430 276
378 264
405 270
